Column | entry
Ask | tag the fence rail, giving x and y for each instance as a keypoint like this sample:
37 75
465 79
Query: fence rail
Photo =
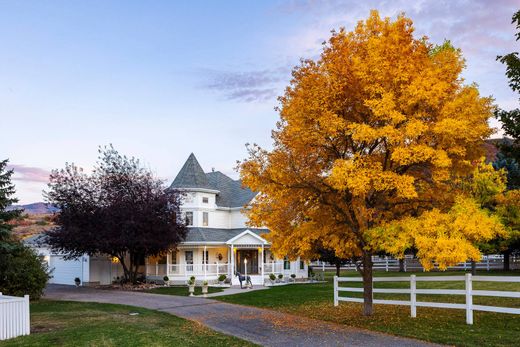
488 262
468 292
14 316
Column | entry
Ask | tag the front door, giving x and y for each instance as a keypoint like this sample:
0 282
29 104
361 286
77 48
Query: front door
252 261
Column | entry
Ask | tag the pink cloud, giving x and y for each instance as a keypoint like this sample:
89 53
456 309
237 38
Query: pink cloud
29 174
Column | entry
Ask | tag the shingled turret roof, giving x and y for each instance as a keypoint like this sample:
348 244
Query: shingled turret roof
230 192
191 175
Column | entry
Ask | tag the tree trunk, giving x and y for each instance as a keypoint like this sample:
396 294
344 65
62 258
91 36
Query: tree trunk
368 295
506 254
473 268
338 269
401 265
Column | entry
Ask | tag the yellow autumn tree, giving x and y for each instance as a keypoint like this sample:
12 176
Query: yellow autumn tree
375 130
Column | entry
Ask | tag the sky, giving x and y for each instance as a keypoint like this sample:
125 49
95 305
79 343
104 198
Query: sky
162 79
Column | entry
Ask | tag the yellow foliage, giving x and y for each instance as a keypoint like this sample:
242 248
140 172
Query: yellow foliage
445 238
379 128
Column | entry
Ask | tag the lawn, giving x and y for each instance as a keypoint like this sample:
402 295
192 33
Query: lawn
61 323
446 326
182 290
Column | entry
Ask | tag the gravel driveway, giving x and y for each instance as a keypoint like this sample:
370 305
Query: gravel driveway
260 326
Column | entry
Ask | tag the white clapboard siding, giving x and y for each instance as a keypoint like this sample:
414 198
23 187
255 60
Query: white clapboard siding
468 292
14 316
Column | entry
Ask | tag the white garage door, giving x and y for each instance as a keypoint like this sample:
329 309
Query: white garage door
65 271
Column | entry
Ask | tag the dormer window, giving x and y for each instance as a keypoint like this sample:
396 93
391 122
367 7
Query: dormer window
205 218
205 200
189 219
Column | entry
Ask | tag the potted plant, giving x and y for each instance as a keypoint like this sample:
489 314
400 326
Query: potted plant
280 277
221 279
191 285
205 288
77 281
293 277
272 278
166 279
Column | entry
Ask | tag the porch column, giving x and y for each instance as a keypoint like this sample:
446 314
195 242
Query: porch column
204 261
168 255
232 262
262 263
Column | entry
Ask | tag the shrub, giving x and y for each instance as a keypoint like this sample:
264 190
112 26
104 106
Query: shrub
293 276
272 277
192 278
22 272
77 280
222 278
205 283
166 278
280 276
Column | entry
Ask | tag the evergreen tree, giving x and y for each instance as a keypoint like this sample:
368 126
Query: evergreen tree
21 270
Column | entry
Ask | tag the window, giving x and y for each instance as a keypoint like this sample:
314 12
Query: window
189 218
286 264
205 217
174 257
302 265
205 200
205 257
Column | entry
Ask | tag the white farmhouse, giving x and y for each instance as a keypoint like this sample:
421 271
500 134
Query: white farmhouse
218 240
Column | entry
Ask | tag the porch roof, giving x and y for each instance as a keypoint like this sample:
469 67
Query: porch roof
202 235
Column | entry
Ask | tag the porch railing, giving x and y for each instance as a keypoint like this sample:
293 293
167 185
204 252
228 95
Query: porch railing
184 270
274 268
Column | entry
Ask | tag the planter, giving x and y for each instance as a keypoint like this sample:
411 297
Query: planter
204 291
191 289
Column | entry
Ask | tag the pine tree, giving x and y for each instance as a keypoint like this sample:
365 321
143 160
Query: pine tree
6 199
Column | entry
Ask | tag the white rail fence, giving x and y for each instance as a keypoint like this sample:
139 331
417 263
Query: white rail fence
468 292
14 316
488 262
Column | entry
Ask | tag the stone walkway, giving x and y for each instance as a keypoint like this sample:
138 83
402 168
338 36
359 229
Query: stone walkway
260 326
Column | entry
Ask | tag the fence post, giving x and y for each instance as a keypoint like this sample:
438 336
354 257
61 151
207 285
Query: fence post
27 319
413 297
386 264
336 301
469 300
404 264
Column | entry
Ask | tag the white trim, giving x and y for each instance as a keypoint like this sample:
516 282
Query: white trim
199 190
246 232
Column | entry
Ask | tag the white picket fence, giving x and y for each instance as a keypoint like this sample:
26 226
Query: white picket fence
14 316
468 292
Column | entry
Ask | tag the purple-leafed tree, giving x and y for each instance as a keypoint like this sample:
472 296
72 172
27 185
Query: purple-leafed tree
119 209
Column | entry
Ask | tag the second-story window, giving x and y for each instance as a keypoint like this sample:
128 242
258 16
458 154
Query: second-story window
205 217
189 218
205 200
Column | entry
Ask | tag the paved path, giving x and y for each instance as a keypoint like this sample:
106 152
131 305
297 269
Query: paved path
236 290
264 327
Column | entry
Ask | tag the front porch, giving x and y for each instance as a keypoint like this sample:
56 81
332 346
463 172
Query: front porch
246 253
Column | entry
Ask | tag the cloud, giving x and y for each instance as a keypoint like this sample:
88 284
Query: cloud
29 174
248 86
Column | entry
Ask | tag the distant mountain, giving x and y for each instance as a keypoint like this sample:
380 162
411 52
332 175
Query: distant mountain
35 208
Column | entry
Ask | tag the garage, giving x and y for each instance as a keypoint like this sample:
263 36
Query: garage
65 271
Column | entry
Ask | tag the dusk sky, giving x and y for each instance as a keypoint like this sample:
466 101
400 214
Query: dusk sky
162 79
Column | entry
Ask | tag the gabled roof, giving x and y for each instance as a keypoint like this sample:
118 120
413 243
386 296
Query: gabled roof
202 235
255 236
230 192
191 175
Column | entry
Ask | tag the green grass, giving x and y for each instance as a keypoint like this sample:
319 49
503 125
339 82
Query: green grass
62 323
436 325
182 290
